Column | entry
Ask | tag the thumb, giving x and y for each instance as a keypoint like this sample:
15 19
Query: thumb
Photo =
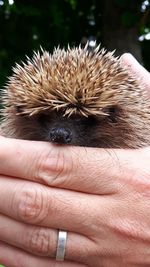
137 70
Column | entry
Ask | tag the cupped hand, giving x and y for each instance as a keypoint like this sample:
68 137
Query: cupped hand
100 197
139 72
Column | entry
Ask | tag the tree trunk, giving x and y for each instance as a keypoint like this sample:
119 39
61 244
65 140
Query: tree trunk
118 36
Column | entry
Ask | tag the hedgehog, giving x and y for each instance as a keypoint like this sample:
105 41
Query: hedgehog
76 97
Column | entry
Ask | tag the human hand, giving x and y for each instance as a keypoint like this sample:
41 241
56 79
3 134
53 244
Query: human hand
101 197
137 70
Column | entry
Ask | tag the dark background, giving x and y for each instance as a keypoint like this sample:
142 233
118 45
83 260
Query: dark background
116 24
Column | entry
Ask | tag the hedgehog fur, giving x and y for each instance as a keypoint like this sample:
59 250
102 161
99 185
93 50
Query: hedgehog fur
84 98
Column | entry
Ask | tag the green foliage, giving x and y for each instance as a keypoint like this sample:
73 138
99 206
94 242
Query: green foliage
29 24
25 25
129 19
128 3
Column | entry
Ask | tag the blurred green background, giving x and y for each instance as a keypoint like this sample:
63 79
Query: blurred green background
123 25
116 24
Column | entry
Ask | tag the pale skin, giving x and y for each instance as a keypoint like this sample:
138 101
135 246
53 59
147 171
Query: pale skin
101 197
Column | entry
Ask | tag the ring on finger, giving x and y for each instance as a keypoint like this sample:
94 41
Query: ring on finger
61 245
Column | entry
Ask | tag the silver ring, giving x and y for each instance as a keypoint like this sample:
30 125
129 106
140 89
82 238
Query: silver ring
61 245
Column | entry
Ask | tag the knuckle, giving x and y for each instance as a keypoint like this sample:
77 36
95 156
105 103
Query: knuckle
32 204
54 168
40 241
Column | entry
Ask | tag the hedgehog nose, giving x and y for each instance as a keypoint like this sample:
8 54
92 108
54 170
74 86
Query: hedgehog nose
60 135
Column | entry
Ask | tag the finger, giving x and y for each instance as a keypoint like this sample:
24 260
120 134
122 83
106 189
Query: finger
17 157
43 241
65 167
90 170
53 165
68 167
39 205
14 257
137 69
67 209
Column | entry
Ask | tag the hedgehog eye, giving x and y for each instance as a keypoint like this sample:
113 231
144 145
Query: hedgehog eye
42 118
92 120
19 109
112 113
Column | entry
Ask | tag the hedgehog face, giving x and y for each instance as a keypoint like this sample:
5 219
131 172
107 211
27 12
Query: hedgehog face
74 130
78 130
74 97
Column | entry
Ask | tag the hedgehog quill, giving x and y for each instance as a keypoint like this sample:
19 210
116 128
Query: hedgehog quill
76 97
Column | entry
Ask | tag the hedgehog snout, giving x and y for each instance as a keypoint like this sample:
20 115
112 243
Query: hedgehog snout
60 135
